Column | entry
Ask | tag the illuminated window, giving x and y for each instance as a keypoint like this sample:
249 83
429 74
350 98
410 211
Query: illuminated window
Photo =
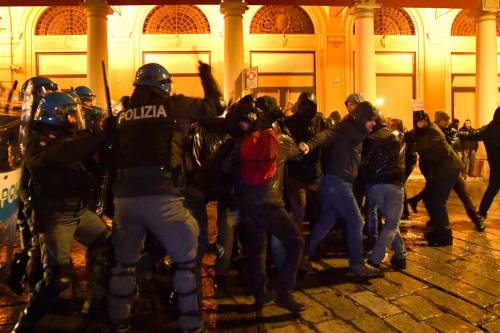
392 21
281 20
62 20
465 25
176 19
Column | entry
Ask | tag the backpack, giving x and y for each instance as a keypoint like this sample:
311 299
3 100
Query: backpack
259 152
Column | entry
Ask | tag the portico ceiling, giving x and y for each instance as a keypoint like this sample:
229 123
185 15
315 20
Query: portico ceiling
469 4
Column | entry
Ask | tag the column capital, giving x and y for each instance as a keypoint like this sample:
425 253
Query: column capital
233 7
486 15
364 8
97 8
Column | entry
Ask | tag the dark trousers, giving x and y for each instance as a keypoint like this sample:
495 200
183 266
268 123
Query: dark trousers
435 198
464 196
257 221
491 192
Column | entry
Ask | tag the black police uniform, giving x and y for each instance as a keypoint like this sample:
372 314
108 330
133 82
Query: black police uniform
60 182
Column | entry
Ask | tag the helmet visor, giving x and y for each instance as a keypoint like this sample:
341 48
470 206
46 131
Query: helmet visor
74 116
48 88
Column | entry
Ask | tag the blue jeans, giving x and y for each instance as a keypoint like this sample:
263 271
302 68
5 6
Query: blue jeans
389 199
227 221
297 194
469 155
337 200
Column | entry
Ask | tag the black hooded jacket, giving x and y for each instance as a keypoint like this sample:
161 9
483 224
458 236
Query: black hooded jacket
342 144
490 135
303 128
383 158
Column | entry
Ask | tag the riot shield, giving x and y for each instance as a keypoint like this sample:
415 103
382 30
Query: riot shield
12 139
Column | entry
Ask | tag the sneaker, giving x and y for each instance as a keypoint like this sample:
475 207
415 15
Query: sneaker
366 271
371 263
413 204
479 223
398 264
288 302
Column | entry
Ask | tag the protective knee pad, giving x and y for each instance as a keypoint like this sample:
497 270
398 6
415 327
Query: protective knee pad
122 284
99 259
187 285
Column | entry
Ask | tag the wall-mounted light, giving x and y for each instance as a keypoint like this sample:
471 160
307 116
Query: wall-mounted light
379 102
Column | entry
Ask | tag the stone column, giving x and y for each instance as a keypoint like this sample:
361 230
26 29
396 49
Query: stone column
233 11
486 67
97 45
364 63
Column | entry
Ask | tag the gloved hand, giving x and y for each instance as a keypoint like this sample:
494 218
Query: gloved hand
109 127
204 69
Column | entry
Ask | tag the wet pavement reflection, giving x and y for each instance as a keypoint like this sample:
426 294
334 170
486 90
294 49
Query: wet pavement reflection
447 289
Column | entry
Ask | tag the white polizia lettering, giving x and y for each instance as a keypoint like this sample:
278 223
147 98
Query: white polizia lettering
143 112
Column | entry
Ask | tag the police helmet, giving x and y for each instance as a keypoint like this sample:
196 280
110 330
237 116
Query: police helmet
153 75
41 86
93 116
86 95
59 109
75 96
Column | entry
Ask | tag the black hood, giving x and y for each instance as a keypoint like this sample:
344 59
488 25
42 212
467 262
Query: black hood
242 110
306 106
379 123
420 115
364 112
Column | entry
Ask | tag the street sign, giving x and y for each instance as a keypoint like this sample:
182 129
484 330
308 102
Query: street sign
250 78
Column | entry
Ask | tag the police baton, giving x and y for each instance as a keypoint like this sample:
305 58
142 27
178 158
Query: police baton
107 178
106 89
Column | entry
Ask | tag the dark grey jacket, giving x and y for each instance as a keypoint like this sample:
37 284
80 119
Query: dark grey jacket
342 144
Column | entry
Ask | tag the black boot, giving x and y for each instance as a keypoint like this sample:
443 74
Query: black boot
17 272
479 222
413 202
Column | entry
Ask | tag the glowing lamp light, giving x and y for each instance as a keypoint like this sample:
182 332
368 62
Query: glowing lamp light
379 102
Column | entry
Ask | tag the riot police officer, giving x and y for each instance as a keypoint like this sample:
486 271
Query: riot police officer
28 262
54 153
151 134
86 95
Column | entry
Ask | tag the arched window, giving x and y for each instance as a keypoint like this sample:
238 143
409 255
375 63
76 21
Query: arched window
176 19
62 20
392 21
465 25
281 20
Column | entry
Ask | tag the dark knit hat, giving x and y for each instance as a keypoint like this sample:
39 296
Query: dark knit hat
354 98
441 115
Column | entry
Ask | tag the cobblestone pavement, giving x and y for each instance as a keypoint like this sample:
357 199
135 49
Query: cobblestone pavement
447 289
